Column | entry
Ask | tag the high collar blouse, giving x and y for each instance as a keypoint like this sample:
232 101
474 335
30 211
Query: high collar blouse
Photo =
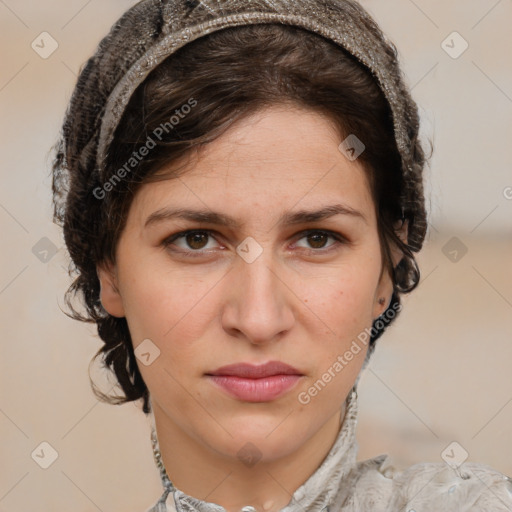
342 484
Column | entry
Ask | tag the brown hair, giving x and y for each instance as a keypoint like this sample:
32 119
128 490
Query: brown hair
229 74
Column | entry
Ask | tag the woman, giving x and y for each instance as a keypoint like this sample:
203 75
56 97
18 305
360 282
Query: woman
240 187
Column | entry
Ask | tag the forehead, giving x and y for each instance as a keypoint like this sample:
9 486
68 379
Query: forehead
272 160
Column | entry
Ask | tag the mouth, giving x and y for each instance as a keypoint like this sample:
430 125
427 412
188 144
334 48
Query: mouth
252 383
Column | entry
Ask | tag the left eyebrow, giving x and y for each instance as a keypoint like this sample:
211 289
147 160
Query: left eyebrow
289 218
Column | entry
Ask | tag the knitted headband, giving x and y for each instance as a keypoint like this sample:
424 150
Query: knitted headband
152 30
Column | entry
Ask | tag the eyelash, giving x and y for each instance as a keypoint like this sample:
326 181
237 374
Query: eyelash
339 239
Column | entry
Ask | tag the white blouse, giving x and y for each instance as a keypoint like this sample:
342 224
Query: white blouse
340 484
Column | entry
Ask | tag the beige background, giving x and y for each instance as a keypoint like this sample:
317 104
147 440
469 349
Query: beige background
440 374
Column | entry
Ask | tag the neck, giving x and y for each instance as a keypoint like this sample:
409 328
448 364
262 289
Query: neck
199 471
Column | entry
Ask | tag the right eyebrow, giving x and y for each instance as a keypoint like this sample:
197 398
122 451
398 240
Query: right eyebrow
289 218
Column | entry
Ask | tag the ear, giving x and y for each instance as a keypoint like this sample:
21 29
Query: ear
385 287
110 297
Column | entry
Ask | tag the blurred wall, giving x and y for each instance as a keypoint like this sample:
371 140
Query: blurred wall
440 374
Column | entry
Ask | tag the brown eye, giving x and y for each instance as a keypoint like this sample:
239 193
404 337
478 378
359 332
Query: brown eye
189 241
317 240
195 243
197 240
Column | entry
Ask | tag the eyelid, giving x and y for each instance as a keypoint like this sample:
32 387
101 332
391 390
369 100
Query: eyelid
339 238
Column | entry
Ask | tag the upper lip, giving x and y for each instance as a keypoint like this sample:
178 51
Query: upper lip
250 371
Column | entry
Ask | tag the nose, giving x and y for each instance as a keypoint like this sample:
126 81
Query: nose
260 304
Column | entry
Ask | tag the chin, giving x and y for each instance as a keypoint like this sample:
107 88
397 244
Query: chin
253 450
265 441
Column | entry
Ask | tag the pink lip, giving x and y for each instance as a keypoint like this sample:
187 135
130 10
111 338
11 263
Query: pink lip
250 371
256 383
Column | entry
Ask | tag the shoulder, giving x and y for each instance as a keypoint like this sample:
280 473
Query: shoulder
429 486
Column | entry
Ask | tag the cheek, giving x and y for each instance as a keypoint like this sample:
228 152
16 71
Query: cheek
161 303
173 310
344 306
343 301
344 298
345 314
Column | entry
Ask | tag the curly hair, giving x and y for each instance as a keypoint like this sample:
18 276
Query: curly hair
229 74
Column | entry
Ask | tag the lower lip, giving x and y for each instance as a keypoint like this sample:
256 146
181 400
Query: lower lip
256 390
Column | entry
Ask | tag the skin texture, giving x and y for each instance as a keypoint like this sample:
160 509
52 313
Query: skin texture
302 301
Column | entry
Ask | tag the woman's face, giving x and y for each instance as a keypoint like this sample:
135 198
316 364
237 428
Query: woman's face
255 290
